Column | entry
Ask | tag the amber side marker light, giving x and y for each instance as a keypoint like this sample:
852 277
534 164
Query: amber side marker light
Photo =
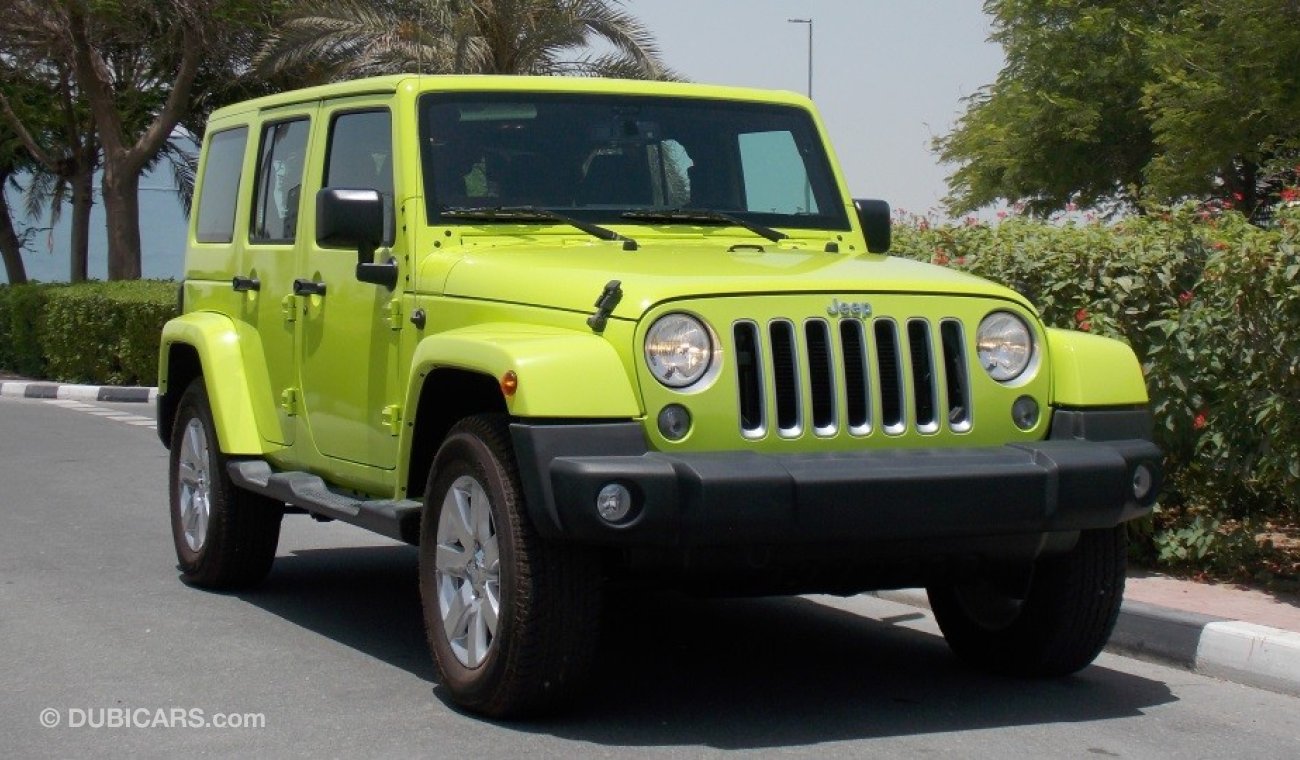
509 383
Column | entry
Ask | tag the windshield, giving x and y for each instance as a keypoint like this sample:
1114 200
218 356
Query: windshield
597 157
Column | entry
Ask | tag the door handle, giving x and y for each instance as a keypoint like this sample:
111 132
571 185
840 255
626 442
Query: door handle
242 284
308 288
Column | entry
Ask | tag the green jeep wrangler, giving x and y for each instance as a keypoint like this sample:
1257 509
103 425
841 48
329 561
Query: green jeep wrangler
558 332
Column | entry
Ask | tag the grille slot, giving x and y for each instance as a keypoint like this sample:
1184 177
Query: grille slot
820 371
954 371
749 370
891 377
923 385
785 372
857 390
851 377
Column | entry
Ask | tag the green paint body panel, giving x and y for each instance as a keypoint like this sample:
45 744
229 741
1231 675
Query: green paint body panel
331 383
1089 370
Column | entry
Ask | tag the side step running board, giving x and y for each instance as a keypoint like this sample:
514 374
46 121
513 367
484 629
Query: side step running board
396 519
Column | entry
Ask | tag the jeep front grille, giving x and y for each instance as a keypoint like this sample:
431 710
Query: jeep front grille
850 377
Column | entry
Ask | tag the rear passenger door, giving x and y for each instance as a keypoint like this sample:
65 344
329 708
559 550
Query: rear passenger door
349 334
270 257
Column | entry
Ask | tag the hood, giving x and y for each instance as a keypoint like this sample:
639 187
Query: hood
572 277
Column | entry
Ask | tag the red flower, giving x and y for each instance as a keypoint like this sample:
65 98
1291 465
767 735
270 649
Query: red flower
1185 297
940 257
1290 194
1080 315
1085 326
960 261
1198 422
1238 197
1002 215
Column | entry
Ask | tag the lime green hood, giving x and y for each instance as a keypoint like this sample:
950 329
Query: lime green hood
572 277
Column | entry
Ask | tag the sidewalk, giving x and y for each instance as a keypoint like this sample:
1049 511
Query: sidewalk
1225 631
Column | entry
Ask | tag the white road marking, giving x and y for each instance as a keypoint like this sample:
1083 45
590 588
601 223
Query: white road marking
99 411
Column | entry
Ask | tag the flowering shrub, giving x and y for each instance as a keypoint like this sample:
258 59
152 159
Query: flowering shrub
1211 305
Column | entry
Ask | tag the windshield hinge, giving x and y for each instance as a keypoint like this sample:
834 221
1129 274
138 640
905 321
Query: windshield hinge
609 298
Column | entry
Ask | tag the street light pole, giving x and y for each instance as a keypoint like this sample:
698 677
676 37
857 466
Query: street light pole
809 22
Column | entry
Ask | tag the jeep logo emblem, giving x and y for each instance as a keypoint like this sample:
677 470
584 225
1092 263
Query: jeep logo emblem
856 309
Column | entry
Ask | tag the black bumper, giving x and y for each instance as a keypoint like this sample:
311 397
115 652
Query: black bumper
1065 484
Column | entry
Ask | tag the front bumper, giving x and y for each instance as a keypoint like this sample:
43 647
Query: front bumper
1061 485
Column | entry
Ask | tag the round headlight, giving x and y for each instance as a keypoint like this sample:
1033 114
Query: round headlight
1005 345
678 350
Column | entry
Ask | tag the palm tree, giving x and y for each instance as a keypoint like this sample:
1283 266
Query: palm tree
328 40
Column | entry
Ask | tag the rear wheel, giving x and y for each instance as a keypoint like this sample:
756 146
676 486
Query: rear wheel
1061 624
225 537
511 619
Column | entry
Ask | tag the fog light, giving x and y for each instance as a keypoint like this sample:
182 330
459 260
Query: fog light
674 422
1024 412
614 502
1142 480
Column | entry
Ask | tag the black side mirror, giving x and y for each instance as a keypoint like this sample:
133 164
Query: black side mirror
873 215
354 218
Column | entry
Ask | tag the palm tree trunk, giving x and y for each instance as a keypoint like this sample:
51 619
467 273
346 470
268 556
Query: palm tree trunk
121 193
83 200
10 248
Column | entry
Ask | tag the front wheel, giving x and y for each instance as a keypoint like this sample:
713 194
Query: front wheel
225 537
1061 624
511 619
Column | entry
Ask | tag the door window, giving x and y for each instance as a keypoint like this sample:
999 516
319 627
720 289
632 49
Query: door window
278 185
360 155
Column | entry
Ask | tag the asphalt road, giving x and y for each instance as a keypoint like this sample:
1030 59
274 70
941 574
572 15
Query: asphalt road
97 631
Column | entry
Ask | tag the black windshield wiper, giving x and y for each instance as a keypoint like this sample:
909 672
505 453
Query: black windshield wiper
532 214
705 215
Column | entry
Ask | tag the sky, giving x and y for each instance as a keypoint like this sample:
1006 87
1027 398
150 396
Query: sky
888 77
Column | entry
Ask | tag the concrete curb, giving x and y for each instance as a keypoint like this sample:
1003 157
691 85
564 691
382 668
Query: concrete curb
27 389
1237 651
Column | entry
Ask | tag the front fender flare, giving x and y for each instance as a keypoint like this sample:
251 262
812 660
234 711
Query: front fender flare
561 373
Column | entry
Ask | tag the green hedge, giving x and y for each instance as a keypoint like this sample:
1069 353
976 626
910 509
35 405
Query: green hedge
1211 305
95 332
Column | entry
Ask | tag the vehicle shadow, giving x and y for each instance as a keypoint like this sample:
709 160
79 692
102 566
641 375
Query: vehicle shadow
722 673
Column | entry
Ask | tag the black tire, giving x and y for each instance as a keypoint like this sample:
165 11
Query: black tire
547 624
1059 628
236 545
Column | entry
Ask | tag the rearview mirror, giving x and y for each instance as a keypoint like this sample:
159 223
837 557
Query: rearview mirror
873 215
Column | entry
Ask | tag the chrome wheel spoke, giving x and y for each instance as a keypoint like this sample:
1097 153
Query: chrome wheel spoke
451 560
478 639
458 516
491 606
480 514
491 557
455 618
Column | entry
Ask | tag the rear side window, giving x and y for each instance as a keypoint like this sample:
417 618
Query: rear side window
220 189
360 155
278 187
